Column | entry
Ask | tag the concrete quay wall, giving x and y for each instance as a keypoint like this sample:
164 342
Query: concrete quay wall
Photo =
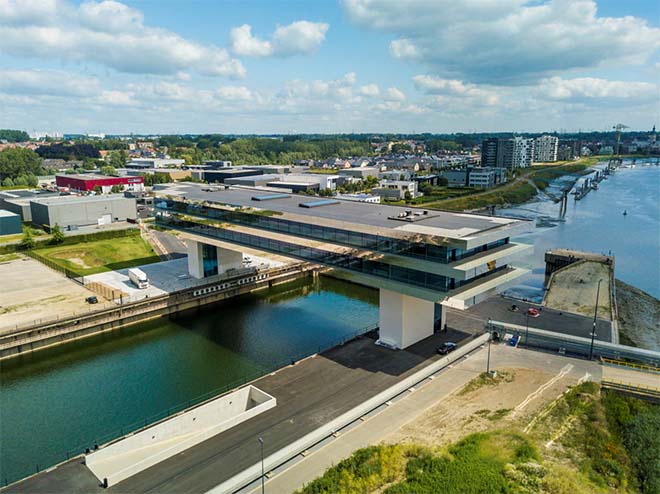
25 341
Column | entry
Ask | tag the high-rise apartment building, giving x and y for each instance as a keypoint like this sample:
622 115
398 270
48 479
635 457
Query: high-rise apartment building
545 148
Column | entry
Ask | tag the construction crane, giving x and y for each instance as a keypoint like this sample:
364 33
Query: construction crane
618 128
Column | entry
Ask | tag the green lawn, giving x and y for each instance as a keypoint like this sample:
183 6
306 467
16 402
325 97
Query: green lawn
101 255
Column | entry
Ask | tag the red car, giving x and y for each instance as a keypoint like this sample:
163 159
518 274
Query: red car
532 312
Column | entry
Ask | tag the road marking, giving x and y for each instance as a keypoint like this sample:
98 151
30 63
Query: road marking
565 370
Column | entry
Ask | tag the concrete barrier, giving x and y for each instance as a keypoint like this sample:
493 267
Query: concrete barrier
252 473
126 457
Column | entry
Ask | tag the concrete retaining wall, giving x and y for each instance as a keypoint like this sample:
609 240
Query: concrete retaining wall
26 341
126 457
278 458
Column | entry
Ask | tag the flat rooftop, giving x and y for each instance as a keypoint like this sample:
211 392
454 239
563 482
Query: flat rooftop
88 176
375 217
51 201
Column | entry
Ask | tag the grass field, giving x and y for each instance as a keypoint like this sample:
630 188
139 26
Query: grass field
101 255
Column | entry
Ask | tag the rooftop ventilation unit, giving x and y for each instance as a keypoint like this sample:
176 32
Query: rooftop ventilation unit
270 197
316 204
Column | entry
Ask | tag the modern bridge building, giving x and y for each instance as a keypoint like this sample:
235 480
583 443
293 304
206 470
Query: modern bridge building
418 259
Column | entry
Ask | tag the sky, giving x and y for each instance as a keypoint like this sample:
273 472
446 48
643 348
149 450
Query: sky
324 66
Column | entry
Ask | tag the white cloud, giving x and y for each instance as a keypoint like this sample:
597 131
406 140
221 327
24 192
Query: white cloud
244 43
234 93
591 88
301 37
455 88
370 90
394 94
404 48
108 33
46 82
506 41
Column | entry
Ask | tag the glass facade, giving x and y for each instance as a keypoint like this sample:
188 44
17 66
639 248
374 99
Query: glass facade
209 260
348 261
377 243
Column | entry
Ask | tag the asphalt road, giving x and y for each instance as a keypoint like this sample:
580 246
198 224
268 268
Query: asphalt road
499 309
309 394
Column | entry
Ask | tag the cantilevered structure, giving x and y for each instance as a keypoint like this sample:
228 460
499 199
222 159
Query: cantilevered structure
417 258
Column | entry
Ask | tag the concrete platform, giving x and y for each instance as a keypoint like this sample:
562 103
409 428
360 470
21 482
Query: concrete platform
309 394
164 277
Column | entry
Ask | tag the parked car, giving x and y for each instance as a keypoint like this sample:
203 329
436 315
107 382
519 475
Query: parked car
514 340
447 347
92 300
533 312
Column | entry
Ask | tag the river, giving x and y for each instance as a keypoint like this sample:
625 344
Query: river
72 396
597 223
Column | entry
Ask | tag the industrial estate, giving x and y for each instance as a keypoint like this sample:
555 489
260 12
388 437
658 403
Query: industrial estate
247 311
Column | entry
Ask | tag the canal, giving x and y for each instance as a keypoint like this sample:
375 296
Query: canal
58 401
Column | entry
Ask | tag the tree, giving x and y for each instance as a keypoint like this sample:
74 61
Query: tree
118 158
32 181
21 180
108 170
407 196
116 189
19 161
97 189
14 135
426 189
27 243
443 181
57 234
7 182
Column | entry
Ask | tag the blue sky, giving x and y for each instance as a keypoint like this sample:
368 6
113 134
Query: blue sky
323 66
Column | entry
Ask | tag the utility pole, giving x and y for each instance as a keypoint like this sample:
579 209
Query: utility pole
490 337
593 330
263 476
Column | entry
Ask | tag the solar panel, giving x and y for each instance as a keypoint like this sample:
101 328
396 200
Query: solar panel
269 197
316 204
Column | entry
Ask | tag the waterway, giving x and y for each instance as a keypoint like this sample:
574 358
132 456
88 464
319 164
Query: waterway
597 223
61 400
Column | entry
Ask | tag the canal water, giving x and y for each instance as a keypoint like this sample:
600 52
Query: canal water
597 223
61 400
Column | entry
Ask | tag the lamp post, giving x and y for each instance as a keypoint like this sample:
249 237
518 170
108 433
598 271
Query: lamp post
526 325
593 329
490 337
263 487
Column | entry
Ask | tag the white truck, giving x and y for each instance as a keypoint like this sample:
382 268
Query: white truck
138 278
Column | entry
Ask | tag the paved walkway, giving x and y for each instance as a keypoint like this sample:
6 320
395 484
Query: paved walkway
412 405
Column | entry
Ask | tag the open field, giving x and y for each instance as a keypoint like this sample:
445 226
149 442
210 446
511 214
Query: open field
101 255
31 291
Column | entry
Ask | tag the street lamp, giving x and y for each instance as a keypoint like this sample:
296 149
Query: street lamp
526 325
490 337
593 330
263 487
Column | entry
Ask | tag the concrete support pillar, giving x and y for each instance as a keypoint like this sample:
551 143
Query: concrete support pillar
229 259
195 259
404 320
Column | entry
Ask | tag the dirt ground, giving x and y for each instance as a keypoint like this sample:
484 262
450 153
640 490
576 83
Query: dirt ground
513 400
573 289
639 317
30 291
